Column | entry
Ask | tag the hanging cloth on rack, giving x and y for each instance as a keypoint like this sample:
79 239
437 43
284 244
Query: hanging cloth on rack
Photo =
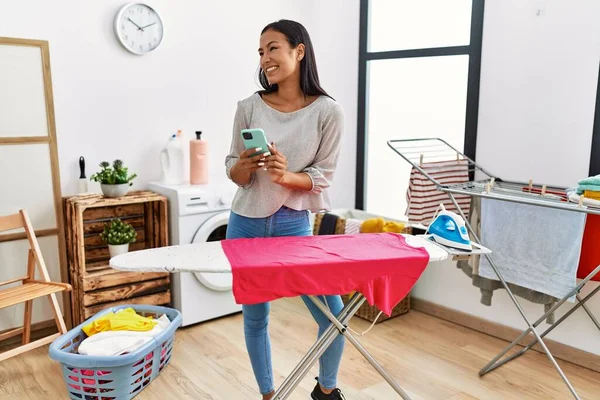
488 286
590 251
424 198
533 247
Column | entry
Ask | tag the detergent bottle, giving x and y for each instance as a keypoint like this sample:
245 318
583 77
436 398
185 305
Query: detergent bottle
198 160
171 161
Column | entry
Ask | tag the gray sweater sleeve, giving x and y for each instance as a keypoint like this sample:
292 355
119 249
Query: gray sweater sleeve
240 122
322 169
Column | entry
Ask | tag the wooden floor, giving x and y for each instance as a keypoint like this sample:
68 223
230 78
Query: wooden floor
432 359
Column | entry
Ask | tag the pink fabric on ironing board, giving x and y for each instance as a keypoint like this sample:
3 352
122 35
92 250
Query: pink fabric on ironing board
381 266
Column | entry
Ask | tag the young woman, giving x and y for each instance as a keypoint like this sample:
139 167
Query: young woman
304 126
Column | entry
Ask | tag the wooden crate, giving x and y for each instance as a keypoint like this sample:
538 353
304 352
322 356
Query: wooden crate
96 285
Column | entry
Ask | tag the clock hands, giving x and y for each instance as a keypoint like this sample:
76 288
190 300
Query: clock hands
143 27
139 27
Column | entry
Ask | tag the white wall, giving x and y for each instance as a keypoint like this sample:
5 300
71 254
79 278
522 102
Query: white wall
538 89
111 104
336 27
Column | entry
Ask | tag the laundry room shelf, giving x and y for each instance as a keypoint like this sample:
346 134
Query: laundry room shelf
95 284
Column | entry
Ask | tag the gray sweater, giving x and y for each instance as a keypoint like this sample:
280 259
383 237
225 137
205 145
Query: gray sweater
310 139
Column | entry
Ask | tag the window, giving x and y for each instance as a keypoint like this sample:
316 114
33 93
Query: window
418 77
595 155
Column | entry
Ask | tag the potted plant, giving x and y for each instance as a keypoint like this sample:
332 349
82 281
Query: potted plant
118 234
115 180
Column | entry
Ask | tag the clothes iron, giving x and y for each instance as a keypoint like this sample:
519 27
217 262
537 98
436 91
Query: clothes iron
448 229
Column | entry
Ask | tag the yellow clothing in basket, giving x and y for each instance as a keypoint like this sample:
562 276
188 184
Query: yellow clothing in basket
123 320
378 225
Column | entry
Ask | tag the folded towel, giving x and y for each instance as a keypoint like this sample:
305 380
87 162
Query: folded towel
591 194
592 180
583 187
591 183
574 197
533 247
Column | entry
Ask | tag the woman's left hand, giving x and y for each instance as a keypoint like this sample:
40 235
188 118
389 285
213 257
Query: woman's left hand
276 164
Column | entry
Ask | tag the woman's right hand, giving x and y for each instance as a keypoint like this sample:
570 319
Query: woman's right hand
246 165
251 164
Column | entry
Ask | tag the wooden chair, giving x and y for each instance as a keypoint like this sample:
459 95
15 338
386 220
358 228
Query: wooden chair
29 289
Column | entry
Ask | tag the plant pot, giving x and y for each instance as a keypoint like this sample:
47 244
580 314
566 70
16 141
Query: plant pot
116 249
115 190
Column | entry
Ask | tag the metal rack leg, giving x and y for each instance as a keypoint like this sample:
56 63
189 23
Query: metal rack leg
318 348
519 308
532 343
589 313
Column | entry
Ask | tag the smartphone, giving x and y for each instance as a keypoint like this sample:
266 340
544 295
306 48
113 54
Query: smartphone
254 138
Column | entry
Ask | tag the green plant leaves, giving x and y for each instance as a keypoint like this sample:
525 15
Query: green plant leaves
116 175
118 232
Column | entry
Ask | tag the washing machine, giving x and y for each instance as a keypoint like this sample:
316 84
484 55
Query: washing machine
199 213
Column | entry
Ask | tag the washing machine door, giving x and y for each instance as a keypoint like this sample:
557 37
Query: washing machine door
213 229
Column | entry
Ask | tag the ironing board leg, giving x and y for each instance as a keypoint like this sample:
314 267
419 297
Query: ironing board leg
361 349
318 348
531 328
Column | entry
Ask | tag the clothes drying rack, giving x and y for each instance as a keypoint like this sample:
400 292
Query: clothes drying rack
483 184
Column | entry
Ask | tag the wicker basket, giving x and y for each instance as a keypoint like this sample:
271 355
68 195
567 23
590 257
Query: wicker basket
369 313
366 311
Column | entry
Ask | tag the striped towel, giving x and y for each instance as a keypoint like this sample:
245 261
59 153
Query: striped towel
353 226
422 196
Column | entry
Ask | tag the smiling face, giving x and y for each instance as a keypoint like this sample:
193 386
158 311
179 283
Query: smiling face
277 59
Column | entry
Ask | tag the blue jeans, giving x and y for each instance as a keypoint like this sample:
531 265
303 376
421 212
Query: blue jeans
285 222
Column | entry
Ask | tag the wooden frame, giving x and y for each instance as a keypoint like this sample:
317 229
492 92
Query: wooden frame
96 285
50 140
30 289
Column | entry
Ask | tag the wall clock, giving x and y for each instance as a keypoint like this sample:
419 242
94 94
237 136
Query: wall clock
139 28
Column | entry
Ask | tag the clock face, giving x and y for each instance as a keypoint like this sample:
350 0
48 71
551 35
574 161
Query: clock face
139 28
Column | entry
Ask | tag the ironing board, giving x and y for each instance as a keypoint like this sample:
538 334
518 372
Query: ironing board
485 185
209 257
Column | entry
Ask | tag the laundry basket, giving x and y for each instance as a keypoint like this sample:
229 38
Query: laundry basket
114 377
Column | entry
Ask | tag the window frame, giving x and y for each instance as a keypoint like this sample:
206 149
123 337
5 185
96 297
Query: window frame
595 151
472 109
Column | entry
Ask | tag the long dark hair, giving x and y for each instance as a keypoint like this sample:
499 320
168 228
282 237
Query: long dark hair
295 34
